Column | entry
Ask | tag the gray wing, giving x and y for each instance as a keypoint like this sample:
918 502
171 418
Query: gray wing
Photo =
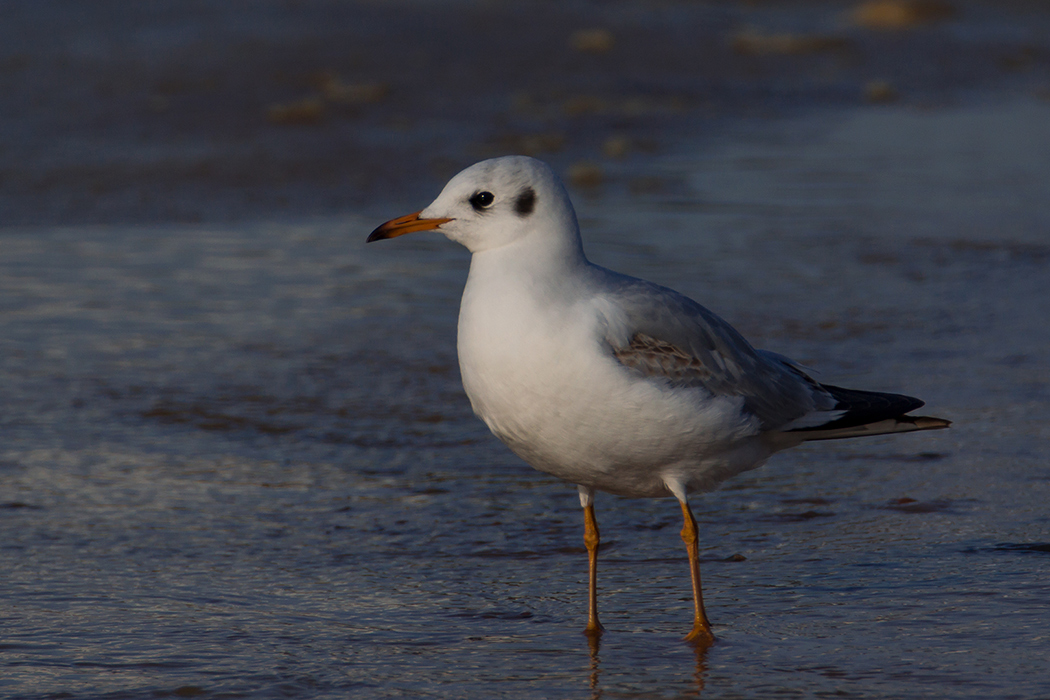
662 335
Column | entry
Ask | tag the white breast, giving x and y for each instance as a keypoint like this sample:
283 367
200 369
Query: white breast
538 372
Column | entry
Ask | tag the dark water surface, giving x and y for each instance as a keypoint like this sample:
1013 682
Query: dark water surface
236 460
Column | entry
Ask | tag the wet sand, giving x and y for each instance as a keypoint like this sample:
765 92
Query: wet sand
121 112
236 457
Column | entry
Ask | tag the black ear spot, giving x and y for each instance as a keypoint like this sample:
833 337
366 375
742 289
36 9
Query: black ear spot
525 202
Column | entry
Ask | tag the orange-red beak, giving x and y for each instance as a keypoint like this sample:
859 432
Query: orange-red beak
409 223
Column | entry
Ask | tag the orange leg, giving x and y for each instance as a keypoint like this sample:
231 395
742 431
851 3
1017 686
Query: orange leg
701 633
591 538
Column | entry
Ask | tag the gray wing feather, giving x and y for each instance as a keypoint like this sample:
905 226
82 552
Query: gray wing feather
666 336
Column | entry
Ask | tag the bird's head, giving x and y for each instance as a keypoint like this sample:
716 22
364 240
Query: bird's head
495 203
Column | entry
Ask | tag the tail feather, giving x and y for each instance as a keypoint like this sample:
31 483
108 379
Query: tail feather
870 413
900 424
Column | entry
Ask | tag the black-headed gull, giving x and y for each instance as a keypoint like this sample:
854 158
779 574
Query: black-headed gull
611 382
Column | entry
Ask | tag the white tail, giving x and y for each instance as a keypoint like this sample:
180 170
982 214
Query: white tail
904 424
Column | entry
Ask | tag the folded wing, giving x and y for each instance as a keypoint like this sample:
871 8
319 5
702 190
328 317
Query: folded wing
661 335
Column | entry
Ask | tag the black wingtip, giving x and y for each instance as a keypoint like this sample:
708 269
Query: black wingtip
865 408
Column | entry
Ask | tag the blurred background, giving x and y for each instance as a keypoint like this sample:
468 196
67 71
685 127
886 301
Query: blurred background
176 112
235 456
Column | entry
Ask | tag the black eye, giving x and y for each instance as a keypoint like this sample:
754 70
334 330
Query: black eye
481 200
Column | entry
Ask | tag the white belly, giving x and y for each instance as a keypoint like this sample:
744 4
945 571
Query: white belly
548 386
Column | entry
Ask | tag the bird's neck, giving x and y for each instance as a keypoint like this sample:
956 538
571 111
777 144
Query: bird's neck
532 261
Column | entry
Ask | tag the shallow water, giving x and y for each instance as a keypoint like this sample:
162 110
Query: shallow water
237 460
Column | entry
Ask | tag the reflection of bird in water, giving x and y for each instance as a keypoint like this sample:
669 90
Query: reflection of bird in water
611 382
594 671
594 678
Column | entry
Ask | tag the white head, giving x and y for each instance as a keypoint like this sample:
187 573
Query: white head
496 203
